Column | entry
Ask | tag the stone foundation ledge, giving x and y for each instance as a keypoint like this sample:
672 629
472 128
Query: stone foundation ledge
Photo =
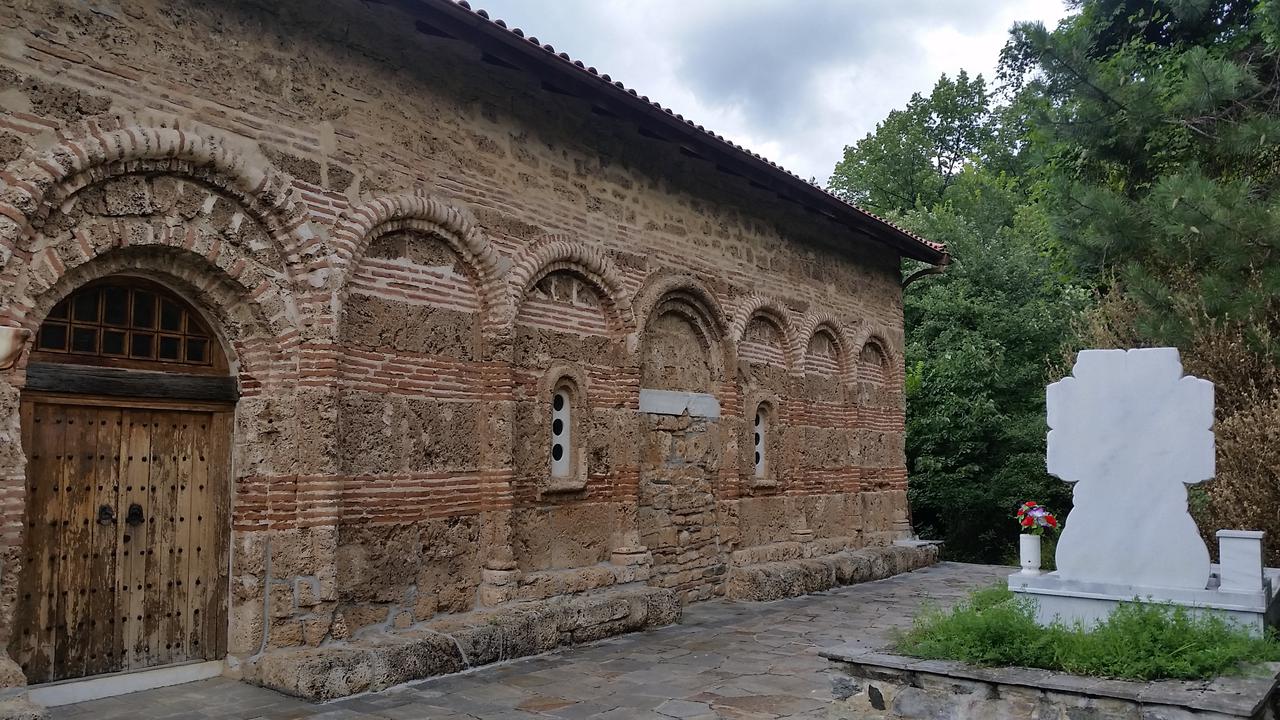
547 584
878 686
792 578
456 643
794 550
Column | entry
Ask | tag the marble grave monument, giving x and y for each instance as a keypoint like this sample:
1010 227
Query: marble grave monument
1131 432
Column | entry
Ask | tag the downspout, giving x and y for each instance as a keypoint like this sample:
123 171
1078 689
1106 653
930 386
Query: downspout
938 269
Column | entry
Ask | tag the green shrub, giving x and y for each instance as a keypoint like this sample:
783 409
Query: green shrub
1139 641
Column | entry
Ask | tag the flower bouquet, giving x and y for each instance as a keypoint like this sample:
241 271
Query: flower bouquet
1034 520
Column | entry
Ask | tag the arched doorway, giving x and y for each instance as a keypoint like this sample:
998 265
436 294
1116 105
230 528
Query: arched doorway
126 425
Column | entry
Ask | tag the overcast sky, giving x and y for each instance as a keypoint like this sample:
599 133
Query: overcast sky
794 80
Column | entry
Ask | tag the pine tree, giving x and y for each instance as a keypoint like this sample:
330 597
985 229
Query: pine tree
1158 128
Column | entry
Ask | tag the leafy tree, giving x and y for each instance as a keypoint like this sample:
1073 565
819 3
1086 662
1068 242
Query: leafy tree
977 336
1126 191
977 341
916 153
1161 130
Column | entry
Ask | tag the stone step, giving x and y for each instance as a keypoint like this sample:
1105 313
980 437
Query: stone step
791 578
456 643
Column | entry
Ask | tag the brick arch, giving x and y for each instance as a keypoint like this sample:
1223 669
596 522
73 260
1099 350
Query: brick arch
362 224
664 287
822 322
94 240
34 188
247 321
893 361
756 305
683 294
561 253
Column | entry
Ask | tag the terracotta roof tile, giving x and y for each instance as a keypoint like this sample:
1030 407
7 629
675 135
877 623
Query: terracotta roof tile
590 72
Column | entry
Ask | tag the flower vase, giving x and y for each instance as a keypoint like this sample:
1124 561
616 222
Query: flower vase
1029 553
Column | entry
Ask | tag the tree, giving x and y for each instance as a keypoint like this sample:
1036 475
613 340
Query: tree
1158 128
977 336
977 341
1124 191
916 153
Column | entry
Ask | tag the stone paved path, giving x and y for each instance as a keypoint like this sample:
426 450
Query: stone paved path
724 660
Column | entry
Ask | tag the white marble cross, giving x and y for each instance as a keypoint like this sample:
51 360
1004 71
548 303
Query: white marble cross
1130 431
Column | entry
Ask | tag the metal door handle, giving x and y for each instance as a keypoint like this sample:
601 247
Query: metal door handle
106 515
134 518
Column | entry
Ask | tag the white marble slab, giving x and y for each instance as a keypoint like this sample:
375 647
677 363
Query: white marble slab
1131 432
672 402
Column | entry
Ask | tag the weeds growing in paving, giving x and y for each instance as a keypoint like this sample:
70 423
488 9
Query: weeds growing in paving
1139 641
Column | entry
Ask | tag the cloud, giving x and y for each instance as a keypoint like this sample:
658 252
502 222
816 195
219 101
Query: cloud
795 80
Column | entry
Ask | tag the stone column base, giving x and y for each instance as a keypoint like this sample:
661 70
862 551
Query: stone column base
498 584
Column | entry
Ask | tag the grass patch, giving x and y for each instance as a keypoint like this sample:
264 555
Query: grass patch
1139 641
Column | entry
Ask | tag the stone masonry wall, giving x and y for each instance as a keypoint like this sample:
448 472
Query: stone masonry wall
407 250
877 686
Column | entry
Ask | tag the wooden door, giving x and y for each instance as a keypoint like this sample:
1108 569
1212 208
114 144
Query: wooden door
125 551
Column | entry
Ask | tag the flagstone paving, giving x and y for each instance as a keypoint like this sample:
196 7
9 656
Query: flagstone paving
724 660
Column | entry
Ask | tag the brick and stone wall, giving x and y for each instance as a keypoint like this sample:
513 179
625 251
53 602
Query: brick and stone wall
406 250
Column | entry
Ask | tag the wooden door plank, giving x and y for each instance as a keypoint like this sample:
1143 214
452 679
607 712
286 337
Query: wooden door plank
49 509
21 641
103 610
152 580
32 642
162 525
71 637
222 425
132 540
201 581
180 597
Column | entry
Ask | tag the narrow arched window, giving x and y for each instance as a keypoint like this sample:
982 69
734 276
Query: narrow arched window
760 432
562 431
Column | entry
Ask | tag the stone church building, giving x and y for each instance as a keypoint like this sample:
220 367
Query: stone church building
343 343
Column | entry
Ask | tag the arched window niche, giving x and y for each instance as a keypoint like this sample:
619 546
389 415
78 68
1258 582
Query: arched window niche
562 430
564 413
762 443
124 321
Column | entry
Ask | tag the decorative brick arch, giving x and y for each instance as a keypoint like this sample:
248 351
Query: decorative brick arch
686 295
869 335
662 287
816 322
560 253
364 223
35 188
756 305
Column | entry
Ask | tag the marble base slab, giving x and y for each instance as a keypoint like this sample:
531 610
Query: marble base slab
1089 603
